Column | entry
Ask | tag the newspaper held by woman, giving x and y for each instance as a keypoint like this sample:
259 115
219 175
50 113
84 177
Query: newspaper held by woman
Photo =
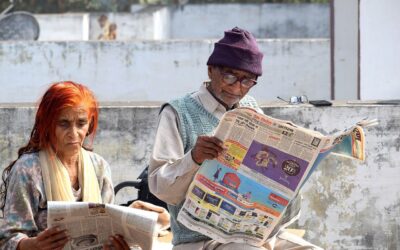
91 224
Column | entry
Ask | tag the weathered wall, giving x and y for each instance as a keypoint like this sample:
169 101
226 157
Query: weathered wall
263 20
63 27
132 71
347 204
188 22
379 49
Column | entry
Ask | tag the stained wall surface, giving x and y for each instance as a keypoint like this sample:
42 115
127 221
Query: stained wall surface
347 204
174 22
155 70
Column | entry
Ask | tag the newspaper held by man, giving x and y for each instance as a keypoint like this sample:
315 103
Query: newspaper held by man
241 195
90 224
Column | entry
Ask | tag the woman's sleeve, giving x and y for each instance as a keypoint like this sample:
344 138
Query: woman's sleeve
103 172
107 192
22 205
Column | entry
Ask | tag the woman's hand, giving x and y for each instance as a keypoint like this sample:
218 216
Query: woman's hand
51 238
116 242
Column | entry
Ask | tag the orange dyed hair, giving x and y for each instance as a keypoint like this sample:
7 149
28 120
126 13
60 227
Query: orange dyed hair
59 96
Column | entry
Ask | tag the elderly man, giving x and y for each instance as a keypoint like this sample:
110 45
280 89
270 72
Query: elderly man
183 140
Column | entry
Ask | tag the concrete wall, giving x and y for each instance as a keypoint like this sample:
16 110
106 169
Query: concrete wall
188 22
128 26
347 204
263 20
63 27
345 53
380 49
155 71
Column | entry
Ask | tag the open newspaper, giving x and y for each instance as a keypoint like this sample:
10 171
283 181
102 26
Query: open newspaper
90 224
241 195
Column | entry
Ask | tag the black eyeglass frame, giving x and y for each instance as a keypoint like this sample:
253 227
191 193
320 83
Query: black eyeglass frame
235 79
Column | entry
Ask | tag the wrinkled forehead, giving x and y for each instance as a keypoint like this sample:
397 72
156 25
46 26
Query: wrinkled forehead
74 112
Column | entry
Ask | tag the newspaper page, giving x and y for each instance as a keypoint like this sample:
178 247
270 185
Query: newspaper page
241 195
90 224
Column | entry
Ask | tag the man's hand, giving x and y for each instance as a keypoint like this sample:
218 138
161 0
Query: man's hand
206 148
51 238
163 215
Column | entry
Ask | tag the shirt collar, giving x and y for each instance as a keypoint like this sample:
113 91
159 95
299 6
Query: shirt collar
208 100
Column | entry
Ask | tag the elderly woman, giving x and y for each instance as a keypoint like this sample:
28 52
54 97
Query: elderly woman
55 165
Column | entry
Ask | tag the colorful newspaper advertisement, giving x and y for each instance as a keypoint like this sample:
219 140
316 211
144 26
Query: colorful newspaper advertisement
241 195
90 225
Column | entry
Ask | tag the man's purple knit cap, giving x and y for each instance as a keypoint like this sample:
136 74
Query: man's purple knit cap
238 49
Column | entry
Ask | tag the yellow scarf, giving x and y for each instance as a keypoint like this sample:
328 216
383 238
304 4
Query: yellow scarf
57 183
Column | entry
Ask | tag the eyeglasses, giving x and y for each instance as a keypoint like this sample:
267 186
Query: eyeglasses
230 79
295 99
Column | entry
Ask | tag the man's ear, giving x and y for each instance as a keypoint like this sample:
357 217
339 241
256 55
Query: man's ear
209 70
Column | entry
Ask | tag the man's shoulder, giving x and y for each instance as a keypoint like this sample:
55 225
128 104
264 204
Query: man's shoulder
248 100
180 102
182 99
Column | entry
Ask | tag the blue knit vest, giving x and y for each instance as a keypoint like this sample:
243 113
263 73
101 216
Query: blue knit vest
195 120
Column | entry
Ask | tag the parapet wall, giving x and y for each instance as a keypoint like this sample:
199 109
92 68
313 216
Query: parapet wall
189 22
347 204
155 70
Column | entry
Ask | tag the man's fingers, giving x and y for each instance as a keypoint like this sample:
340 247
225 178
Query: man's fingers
206 147
202 145
210 151
211 139
206 156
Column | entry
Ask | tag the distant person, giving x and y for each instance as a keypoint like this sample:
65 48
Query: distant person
112 34
55 165
184 139
105 27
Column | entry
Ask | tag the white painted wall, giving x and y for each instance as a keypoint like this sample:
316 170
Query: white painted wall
189 22
345 49
155 70
161 22
62 27
129 26
263 20
380 49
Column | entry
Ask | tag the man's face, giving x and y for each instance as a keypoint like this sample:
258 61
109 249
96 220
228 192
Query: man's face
229 94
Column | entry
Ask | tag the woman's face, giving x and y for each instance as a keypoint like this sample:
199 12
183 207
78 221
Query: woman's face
71 128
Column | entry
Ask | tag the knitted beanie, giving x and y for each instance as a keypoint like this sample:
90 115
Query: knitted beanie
238 49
